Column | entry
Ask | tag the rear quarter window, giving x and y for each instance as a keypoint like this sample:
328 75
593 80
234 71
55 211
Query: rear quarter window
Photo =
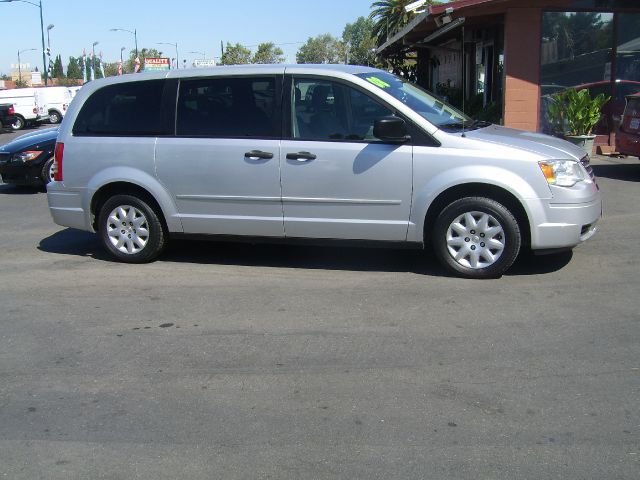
124 109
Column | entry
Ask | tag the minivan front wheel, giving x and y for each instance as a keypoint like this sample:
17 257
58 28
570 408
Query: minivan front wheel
131 230
476 237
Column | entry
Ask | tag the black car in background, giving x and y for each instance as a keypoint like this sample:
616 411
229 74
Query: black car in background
28 159
7 115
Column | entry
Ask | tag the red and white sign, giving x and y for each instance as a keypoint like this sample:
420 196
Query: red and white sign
156 64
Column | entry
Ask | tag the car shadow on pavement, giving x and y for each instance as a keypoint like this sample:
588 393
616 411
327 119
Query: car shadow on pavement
312 257
74 242
530 264
7 189
85 244
628 172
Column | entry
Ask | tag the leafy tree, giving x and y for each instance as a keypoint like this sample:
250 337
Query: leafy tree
73 68
236 54
322 49
577 33
389 17
143 53
57 72
110 69
98 72
359 38
268 53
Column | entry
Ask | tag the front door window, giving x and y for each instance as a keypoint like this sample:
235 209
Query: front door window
325 110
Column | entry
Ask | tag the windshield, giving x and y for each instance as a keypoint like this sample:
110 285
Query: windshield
431 108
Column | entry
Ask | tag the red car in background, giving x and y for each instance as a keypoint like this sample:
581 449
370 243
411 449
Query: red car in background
613 108
628 138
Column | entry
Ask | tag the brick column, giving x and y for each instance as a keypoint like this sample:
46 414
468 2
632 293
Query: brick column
522 38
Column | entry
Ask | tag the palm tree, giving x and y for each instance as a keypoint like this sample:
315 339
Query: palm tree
389 17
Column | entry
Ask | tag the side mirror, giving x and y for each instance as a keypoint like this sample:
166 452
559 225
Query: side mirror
391 129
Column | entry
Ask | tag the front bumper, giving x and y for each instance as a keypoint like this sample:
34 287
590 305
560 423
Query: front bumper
566 225
21 173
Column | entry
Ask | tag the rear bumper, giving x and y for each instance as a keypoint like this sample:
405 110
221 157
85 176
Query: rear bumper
628 144
66 209
7 121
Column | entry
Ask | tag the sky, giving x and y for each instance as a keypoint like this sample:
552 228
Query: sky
195 25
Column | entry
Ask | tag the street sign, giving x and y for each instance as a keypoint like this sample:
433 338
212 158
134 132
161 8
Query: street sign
204 63
151 64
36 78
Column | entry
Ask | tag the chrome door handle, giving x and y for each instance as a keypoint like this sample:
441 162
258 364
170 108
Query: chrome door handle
258 154
301 156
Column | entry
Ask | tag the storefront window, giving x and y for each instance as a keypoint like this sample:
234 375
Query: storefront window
576 53
627 63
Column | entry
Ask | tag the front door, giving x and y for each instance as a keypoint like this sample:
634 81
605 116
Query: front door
222 167
338 180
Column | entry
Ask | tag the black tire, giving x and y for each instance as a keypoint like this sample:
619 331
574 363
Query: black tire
46 173
455 233
156 235
54 117
18 123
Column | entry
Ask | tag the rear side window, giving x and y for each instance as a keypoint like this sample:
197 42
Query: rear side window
124 109
228 107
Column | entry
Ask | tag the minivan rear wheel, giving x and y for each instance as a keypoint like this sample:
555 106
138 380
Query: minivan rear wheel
131 230
476 237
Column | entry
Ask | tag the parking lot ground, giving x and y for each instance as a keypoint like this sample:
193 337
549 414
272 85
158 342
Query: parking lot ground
260 361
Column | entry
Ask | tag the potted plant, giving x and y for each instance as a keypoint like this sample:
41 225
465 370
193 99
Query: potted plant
573 114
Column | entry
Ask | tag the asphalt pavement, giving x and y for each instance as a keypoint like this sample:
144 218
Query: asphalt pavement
241 361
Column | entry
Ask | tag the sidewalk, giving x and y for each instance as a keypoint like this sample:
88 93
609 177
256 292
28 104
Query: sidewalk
606 160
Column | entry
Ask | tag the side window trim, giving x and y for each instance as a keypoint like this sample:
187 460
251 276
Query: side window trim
169 105
419 137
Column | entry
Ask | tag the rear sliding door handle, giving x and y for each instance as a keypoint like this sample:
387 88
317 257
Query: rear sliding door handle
301 156
258 154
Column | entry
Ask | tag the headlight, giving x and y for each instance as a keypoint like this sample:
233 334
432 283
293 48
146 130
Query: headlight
27 156
563 173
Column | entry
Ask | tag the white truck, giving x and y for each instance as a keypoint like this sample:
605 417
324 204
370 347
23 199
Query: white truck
57 100
29 104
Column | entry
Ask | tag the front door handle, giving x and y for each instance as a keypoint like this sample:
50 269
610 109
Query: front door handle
301 156
253 154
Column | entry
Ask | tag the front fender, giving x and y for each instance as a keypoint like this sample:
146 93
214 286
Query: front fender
427 191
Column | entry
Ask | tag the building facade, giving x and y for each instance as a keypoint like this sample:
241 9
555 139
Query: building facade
512 55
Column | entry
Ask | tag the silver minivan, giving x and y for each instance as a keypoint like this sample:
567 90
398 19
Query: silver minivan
321 152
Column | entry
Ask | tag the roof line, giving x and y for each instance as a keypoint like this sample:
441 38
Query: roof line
406 29
432 10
